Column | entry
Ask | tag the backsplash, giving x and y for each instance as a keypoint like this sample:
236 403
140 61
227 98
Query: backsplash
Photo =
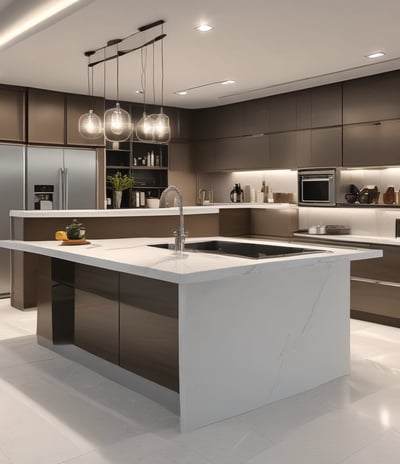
363 221
279 181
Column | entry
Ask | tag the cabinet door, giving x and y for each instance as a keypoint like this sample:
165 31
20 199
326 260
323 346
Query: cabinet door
185 124
242 153
283 149
372 144
204 155
204 124
283 112
12 114
46 117
326 147
181 171
76 106
373 98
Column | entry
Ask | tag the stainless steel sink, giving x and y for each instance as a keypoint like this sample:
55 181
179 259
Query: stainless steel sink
244 250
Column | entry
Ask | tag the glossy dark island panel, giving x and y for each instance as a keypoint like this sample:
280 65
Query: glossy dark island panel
97 311
149 329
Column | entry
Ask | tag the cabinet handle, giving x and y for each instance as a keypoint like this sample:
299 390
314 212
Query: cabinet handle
378 282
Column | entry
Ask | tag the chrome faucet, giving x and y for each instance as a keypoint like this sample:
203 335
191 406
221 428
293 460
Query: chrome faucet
167 199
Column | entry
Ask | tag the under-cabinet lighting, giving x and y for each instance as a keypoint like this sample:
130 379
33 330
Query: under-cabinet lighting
375 55
204 28
33 18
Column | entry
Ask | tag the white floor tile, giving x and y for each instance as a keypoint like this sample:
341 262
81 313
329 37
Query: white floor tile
329 440
54 411
384 450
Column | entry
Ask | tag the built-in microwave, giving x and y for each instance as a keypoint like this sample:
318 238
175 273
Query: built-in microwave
317 187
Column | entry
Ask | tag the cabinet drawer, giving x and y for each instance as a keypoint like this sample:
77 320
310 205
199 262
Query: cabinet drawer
383 269
382 301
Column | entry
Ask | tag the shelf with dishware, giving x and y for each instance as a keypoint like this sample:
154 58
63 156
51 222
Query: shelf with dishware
147 163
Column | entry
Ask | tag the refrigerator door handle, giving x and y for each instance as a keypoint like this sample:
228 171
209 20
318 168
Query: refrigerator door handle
61 188
66 188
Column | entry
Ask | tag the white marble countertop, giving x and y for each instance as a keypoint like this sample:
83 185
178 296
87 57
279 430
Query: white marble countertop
133 256
379 240
133 212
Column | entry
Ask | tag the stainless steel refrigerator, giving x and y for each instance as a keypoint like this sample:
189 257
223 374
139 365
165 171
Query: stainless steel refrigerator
60 178
11 197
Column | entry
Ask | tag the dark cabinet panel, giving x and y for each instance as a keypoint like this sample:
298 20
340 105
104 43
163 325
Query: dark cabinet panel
283 149
76 106
255 117
283 112
373 98
372 144
326 147
97 311
319 107
326 105
385 268
205 124
242 153
319 147
46 117
185 124
12 114
204 155
149 329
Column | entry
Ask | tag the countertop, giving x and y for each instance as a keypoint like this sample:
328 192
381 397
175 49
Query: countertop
133 212
133 256
379 240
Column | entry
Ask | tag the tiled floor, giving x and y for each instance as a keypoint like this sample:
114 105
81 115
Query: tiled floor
53 410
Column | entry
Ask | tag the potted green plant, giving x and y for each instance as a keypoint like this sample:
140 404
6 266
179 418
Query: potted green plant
118 183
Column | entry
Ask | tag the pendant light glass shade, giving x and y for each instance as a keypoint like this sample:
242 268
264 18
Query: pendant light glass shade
117 124
162 129
90 126
145 128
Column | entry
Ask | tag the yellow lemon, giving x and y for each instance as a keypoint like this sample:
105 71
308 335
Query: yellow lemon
61 235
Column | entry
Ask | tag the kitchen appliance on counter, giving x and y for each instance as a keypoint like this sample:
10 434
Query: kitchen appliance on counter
11 197
369 194
206 197
237 194
317 187
59 178
329 229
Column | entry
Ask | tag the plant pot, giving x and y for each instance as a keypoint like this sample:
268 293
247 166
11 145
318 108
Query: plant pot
117 197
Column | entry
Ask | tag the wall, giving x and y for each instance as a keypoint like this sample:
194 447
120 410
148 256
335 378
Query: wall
222 182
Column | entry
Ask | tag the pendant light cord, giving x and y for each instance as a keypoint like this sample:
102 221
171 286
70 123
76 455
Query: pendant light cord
104 75
162 67
154 81
117 74
143 60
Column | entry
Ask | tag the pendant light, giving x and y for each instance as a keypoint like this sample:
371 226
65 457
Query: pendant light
89 124
162 129
145 126
117 121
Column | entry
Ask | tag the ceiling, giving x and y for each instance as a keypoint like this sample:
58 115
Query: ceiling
266 46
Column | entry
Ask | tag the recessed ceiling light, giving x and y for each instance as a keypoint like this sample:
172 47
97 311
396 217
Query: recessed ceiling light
182 92
375 55
227 82
139 91
204 27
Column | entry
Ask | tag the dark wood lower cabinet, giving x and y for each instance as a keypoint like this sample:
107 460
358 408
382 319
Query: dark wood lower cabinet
128 320
97 311
149 329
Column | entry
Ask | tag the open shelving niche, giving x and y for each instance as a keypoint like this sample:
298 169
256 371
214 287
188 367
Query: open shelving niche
131 158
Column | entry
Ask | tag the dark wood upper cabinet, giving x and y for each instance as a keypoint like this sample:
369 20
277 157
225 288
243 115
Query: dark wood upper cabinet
283 149
205 124
12 114
326 147
283 112
255 117
204 155
373 144
242 153
76 106
46 117
319 107
373 98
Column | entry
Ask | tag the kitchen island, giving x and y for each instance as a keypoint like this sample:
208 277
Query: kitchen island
209 336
